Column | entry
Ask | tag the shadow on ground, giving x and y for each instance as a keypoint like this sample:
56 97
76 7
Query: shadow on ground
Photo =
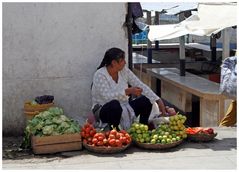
11 149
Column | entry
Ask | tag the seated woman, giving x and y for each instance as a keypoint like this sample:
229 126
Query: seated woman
111 92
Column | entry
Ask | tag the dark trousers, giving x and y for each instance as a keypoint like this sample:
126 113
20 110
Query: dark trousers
111 112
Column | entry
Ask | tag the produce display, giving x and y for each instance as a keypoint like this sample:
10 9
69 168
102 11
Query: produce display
112 138
166 133
199 130
200 134
49 123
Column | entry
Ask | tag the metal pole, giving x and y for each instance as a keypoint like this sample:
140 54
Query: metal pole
182 49
213 47
129 22
156 22
149 44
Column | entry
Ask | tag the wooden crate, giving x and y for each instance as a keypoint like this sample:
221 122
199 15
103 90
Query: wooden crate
54 144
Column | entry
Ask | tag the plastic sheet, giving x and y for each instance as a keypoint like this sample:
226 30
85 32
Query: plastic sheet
228 85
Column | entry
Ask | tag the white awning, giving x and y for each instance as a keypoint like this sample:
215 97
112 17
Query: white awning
210 19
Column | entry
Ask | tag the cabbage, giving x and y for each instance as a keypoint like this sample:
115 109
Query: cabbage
48 130
47 123
57 120
64 118
44 114
56 110
69 131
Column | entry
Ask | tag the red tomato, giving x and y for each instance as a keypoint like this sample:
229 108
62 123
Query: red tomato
100 143
82 133
117 136
100 138
112 142
127 136
105 141
92 133
118 143
111 136
87 130
87 135
123 131
96 135
210 131
123 139
113 132
94 140
101 134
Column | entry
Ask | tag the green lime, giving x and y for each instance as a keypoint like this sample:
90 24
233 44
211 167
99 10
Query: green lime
163 141
178 138
153 141
160 137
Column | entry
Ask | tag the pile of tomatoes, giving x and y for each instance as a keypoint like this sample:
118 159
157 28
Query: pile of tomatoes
199 130
112 138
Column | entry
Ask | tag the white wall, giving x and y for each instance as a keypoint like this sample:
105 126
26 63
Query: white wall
54 48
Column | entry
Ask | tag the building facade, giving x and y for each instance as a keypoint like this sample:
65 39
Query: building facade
54 48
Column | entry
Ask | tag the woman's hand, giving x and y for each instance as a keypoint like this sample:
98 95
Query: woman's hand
161 106
166 111
134 91
170 111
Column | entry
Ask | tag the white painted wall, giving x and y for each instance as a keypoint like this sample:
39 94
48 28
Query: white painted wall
54 48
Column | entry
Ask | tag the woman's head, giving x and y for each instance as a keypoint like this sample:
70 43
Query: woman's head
113 55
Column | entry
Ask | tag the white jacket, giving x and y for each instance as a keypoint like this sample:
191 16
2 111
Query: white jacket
105 89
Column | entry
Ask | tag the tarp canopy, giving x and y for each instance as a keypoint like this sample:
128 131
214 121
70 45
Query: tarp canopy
210 19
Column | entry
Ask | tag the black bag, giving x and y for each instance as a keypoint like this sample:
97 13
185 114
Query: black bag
136 13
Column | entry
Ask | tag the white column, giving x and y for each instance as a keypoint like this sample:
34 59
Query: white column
226 33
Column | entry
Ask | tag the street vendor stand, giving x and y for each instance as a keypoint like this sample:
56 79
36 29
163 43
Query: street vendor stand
178 86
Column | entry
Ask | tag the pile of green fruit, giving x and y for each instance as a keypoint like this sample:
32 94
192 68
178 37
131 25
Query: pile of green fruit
164 134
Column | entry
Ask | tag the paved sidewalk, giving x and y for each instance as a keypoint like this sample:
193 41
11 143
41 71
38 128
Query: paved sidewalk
220 154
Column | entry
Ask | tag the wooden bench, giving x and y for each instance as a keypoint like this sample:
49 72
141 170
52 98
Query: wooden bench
178 90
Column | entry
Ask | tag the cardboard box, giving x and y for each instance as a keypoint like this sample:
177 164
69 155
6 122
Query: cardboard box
54 144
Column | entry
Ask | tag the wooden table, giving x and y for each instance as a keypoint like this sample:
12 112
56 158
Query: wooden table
200 46
178 90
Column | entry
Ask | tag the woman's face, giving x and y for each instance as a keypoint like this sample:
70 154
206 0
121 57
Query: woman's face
119 65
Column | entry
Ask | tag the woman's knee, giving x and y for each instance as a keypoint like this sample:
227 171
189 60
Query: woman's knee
115 106
144 101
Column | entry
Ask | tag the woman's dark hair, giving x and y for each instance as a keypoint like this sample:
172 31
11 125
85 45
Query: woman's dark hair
110 55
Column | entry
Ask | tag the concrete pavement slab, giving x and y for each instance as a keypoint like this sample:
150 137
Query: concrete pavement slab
220 154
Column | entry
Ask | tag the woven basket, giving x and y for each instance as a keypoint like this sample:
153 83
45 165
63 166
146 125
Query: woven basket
105 150
30 115
201 137
157 145
28 107
31 110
